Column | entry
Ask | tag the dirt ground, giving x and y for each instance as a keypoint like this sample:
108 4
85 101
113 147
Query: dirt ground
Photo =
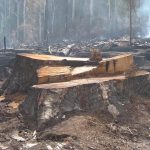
80 131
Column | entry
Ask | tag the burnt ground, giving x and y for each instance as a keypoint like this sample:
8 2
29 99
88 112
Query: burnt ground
81 131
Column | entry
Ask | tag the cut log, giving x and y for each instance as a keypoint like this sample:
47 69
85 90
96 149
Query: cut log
48 103
59 74
118 64
54 60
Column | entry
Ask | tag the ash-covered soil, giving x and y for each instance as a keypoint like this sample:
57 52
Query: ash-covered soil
80 131
108 48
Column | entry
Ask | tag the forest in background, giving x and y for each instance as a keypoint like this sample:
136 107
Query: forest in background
45 21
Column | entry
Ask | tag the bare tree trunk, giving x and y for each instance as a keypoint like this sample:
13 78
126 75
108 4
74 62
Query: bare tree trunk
131 22
109 10
18 20
53 16
91 17
5 17
24 19
46 23
66 22
109 18
40 26
73 10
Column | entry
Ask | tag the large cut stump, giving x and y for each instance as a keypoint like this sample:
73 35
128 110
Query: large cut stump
31 69
49 103
25 69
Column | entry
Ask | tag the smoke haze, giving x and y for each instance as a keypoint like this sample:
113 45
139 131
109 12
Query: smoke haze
46 21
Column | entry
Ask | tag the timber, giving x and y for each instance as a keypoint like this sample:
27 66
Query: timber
33 69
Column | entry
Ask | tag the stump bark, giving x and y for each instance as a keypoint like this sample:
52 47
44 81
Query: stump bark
48 103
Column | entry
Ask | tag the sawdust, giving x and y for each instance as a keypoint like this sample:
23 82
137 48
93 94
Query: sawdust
16 99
